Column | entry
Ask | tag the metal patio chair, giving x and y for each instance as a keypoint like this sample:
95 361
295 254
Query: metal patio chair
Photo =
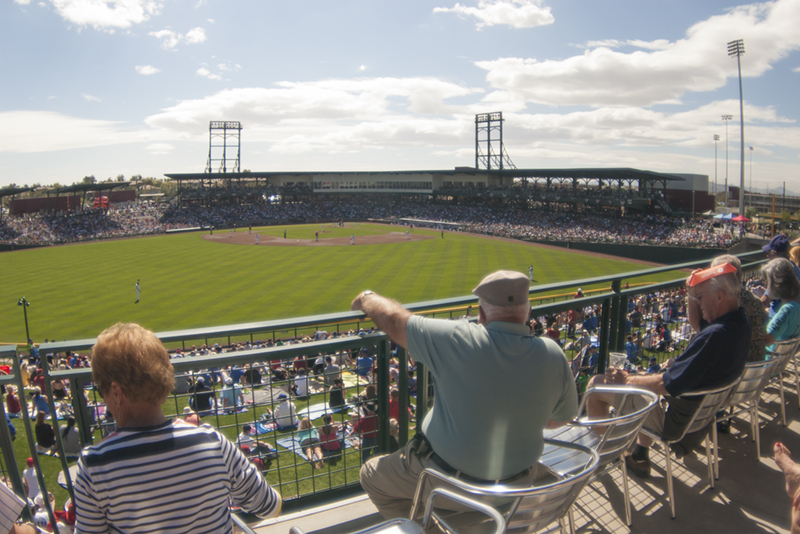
783 351
610 438
705 414
744 399
407 526
525 509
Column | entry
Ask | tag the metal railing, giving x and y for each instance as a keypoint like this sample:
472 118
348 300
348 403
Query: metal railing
288 475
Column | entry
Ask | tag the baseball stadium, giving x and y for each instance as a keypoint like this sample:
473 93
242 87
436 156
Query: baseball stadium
248 278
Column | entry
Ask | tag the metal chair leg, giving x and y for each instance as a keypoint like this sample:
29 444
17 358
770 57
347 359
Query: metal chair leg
627 491
710 459
715 439
783 400
754 416
670 492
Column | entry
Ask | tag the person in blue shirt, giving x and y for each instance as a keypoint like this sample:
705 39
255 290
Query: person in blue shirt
784 286
364 364
777 248
631 350
654 367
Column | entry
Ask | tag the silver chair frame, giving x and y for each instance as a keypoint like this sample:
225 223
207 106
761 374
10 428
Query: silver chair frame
611 437
706 412
745 399
783 351
407 526
525 509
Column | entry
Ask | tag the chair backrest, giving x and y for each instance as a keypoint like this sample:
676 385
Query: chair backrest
527 509
712 401
618 432
783 351
755 378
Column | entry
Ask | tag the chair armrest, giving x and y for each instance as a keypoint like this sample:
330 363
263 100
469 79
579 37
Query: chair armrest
500 523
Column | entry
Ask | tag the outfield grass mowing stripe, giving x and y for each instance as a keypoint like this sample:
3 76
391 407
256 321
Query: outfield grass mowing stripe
189 282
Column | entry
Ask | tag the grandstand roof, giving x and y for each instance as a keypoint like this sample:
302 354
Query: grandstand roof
100 186
587 174
14 190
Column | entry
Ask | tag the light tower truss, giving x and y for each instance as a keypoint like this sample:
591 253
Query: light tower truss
490 153
223 138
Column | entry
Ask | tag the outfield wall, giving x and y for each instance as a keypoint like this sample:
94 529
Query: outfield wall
665 255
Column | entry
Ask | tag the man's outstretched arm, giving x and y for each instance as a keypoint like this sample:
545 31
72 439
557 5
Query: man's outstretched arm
386 313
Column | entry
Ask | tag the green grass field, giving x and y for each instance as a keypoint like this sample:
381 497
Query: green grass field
76 291
187 282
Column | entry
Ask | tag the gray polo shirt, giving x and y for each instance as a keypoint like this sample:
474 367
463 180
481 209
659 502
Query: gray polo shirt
496 389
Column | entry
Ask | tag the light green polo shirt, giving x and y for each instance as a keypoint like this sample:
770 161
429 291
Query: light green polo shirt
496 388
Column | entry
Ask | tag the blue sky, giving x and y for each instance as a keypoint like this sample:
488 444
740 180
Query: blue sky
108 87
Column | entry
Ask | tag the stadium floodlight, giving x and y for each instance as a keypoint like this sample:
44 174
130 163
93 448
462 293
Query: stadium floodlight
736 49
726 118
751 175
716 139
24 303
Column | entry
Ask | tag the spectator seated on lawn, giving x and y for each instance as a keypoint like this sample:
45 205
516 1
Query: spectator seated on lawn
310 442
285 413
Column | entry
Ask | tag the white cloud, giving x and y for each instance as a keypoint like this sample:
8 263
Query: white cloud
796 69
658 44
699 62
146 70
514 13
38 131
90 98
106 14
226 67
158 149
205 73
337 100
195 35
22 2
211 21
170 39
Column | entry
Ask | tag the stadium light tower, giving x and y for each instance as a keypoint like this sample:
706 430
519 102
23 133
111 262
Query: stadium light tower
736 48
751 176
726 118
716 140
24 303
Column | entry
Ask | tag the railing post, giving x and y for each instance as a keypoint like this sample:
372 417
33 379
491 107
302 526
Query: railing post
383 395
613 340
32 443
604 334
54 414
12 471
422 393
622 326
81 410
402 386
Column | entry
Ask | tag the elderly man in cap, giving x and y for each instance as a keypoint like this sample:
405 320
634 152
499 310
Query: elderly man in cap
715 357
491 437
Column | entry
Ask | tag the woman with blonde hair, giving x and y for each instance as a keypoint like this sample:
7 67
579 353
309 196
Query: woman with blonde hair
155 474
310 443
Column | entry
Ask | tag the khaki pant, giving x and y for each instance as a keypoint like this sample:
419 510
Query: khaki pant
391 480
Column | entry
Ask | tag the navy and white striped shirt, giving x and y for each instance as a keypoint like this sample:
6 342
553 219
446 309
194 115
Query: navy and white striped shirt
171 477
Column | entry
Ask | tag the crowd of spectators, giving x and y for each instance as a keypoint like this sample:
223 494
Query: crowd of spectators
122 220
501 220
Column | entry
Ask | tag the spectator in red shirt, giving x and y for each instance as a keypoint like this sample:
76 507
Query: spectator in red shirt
367 426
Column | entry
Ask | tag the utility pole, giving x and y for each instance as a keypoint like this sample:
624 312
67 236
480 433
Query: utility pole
726 118
716 140
736 48
751 176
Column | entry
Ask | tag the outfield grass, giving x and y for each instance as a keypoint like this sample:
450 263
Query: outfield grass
76 291
187 282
